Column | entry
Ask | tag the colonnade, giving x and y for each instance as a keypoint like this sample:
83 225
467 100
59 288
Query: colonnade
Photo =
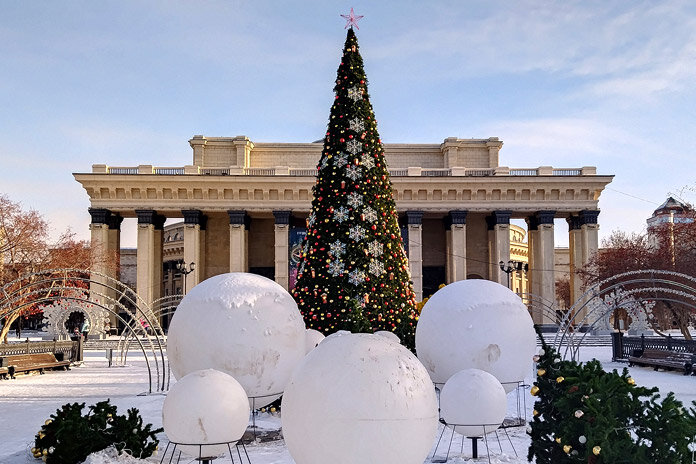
462 243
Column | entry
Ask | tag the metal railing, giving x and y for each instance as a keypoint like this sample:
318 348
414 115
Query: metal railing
312 172
168 171
436 172
214 171
567 172
303 172
259 171
68 348
123 170
524 172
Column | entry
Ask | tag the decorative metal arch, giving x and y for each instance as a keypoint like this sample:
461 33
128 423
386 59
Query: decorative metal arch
541 309
599 302
107 294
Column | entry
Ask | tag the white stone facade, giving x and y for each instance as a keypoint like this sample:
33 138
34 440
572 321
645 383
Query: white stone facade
242 201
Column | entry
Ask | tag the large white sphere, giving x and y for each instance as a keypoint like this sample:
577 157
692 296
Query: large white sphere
313 338
243 324
390 335
205 406
476 324
359 398
474 398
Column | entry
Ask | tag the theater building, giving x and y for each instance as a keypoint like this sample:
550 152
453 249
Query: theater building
244 207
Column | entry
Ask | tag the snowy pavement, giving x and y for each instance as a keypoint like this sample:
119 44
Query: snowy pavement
26 402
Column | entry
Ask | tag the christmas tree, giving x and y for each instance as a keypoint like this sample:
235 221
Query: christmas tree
585 414
354 272
69 437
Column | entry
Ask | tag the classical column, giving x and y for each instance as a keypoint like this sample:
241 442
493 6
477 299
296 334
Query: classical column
282 236
542 270
414 219
105 233
456 246
239 232
149 256
590 234
576 253
584 243
194 246
498 244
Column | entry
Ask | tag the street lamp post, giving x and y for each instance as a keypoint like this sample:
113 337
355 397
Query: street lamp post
512 266
185 269
507 269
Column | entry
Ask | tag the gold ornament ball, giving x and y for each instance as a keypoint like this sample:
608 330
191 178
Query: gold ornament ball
273 409
534 390
558 440
631 381
45 452
33 451
541 372
535 413
559 379
596 450
566 449
48 421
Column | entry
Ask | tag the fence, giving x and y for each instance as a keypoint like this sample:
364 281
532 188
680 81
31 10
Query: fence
622 347
69 350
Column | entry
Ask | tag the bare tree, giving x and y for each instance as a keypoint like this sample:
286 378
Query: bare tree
25 249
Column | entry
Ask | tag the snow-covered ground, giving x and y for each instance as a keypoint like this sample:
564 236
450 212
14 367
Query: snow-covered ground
25 403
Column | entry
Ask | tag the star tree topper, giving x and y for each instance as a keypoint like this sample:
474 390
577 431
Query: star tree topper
351 19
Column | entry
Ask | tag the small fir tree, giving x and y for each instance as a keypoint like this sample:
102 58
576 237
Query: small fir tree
69 437
354 273
584 414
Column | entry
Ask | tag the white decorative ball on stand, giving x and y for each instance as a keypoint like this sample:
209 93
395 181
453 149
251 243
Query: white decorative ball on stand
359 398
473 402
243 324
476 324
205 406
313 338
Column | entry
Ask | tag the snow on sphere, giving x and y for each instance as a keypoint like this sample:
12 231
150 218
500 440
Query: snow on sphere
243 324
390 335
476 324
473 396
205 406
313 338
360 398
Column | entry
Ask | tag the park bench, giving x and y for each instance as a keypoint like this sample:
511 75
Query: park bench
30 362
657 359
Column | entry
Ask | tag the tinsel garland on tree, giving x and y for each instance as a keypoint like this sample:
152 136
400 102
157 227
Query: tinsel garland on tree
584 414
68 437
354 273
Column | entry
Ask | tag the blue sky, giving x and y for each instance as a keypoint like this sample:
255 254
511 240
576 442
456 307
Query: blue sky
562 83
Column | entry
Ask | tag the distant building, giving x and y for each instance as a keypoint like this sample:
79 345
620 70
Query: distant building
671 212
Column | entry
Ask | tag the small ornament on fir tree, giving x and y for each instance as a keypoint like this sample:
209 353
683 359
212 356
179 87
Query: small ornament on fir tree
560 379
631 381
541 372
596 450
567 448
534 390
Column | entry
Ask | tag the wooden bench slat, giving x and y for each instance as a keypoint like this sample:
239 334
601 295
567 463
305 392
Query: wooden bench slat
30 362
665 359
